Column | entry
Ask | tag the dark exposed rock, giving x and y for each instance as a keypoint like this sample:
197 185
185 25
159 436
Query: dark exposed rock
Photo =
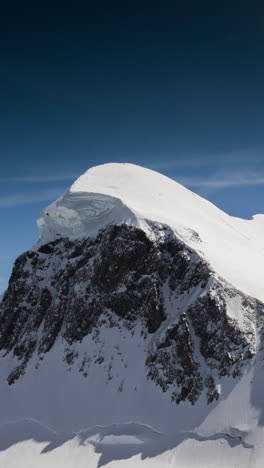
122 278
173 363
222 343
212 392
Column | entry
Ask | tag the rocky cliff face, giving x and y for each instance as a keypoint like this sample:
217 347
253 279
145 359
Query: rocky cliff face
123 278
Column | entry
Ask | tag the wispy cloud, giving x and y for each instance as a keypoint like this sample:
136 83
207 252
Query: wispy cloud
230 180
40 179
29 198
211 160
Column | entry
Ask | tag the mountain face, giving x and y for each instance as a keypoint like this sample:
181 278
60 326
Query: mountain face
130 308
121 278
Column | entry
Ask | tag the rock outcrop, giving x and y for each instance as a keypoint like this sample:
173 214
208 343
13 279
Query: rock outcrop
124 278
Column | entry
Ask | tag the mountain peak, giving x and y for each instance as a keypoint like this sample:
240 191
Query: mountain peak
135 306
118 193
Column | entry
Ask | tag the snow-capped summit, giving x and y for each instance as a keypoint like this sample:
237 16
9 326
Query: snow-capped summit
128 194
125 193
132 333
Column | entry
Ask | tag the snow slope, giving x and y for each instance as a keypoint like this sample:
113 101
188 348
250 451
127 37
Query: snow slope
125 193
110 413
118 446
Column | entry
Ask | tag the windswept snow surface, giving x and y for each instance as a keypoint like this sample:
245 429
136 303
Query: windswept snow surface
126 193
118 446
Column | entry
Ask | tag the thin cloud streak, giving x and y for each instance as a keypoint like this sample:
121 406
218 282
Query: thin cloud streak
234 157
159 164
39 179
28 199
221 183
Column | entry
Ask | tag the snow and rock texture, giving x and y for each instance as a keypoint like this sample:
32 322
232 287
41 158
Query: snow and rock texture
139 310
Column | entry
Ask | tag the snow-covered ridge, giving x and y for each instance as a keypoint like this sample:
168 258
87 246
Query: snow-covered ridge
125 193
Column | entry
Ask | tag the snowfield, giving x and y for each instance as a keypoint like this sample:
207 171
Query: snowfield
114 415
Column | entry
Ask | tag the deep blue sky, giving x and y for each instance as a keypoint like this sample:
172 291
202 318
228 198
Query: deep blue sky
177 89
